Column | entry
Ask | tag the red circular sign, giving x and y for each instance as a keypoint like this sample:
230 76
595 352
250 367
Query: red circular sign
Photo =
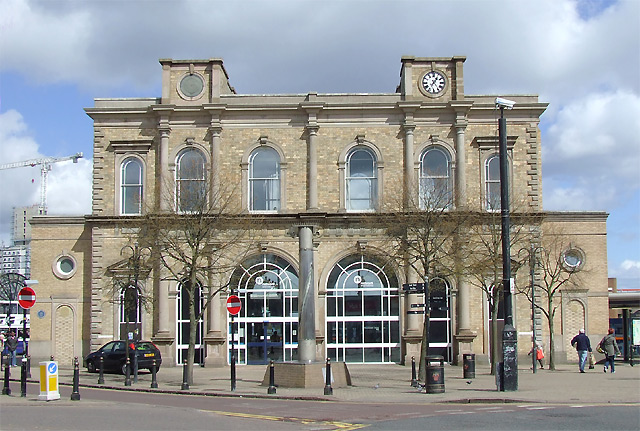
26 297
234 305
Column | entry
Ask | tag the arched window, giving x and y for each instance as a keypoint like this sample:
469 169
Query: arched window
183 322
435 179
361 180
492 183
191 191
267 286
363 308
130 312
131 186
264 180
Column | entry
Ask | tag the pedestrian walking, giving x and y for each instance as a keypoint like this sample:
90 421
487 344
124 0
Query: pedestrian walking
583 346
539 352
609 346
12 346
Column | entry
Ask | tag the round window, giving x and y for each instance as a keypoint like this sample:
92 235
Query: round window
191 86
64 266
573 259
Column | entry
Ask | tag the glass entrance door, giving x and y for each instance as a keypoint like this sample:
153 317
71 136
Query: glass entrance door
264 342
267 326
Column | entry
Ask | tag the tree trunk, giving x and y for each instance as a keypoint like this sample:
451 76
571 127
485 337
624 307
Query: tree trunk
494 338
552 349
192 337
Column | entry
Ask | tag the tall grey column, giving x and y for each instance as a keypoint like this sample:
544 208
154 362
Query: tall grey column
306 301
214 189
461 178
312 168
165 195
408 166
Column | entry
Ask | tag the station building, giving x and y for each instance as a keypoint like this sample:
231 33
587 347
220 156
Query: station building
312 163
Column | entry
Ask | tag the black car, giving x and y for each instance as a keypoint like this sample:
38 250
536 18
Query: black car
115 356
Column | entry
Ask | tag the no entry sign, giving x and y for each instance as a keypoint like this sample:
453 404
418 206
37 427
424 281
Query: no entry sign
234 305
26 297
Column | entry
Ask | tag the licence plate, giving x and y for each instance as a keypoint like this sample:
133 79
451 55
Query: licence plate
146 355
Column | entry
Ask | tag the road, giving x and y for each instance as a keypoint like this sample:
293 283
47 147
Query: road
102 409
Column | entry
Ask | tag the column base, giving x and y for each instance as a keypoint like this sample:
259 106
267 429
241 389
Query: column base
464 344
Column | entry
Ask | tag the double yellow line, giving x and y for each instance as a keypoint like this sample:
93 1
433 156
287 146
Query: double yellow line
343 426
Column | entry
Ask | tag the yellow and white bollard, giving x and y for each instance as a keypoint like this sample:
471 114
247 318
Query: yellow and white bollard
49 381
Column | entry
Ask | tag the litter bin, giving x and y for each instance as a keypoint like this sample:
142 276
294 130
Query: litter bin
435 374
469 366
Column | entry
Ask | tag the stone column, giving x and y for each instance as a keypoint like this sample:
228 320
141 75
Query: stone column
214 185
461 178
409 187
312 168
306 298
164 192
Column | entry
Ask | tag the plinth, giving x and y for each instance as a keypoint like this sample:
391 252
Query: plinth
311 375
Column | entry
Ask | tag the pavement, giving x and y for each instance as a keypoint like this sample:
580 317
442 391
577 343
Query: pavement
387 383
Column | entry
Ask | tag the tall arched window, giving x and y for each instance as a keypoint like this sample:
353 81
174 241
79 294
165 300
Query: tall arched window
131 186
130 312
267 286
361 180
183 322
264 180
435 179
492 183
191 190
363 308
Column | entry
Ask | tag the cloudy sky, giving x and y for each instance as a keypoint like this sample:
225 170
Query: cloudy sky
580 56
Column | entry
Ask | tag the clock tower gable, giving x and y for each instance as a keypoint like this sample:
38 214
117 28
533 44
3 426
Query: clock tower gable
432 78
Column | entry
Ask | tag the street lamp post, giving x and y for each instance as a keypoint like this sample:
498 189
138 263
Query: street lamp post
509 334
136 263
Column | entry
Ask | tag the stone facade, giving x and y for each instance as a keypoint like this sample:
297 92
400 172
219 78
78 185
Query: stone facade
313 136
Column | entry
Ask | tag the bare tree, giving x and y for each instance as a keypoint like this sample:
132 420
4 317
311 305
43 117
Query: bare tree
558 270
198 244
483 261
424 236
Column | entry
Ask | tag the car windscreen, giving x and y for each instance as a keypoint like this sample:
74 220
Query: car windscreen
145 346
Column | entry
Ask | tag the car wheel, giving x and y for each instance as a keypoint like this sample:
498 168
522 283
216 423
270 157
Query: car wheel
91 367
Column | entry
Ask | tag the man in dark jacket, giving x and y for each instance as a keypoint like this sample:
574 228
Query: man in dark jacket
12 345
583 346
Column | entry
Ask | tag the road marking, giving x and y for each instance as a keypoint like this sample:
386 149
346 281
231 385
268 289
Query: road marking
343 426
540 408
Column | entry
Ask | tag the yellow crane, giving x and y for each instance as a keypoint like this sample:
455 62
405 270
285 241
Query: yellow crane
45 166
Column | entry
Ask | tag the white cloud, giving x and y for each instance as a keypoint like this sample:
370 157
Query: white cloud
627 274
69 185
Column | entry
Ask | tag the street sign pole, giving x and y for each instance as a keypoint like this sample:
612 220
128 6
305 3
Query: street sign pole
234 305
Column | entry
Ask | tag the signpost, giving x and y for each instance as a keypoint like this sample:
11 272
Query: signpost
26 299
234 305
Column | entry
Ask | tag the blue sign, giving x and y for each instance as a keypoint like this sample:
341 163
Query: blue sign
52 368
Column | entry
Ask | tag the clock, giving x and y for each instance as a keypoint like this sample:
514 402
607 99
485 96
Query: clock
433 82
191 85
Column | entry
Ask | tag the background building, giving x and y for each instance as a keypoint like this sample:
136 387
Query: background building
312 167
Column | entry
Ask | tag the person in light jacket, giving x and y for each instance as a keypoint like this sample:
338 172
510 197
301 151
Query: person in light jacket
610 347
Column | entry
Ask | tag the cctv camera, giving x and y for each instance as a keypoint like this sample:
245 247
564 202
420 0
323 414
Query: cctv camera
504 103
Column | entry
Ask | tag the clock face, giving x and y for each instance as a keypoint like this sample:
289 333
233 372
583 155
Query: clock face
433 82
191 85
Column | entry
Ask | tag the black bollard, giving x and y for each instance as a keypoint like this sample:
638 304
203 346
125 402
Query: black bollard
127 373
185 377
135 367
23 377
414 380
51 358
272 378
101 375
28 366
6 390
328 390
75 395
154 381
